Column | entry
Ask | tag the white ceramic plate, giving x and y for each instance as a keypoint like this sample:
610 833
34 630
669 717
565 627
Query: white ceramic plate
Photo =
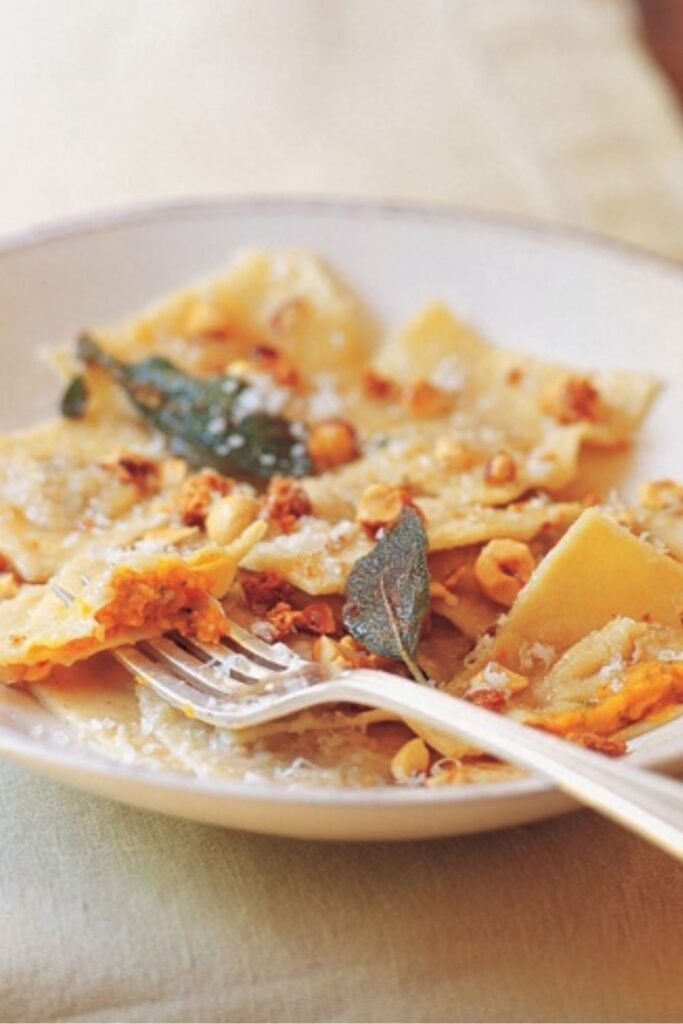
558 294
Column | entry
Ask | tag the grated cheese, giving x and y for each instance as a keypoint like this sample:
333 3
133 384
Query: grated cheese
449 374
261 395
530 654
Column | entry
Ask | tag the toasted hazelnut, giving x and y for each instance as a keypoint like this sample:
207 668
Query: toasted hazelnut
286 503
661 494
137 470
229 517
376 386
425 401
502 568
198 492
381 505
332 443
572 400
263 590
453 455
282 620
317 617
411 760
501 468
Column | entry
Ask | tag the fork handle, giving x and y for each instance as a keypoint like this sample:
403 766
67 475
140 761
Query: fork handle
642 801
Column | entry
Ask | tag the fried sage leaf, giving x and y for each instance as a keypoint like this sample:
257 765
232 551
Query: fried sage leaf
387 592
75 399
204 419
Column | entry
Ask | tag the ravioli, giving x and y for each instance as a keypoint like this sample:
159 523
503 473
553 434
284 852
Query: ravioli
547 601
105 598
595 574
284 298
524 394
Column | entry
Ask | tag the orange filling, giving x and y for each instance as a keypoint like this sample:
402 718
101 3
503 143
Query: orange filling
163 599
156 601
648 688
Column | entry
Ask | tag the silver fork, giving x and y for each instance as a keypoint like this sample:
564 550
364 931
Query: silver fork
244 682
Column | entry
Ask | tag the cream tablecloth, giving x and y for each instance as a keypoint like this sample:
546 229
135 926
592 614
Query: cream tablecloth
545 107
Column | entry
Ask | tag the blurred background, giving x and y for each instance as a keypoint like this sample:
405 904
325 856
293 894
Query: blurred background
565 111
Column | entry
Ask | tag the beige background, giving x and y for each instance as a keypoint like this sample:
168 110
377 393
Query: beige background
540 107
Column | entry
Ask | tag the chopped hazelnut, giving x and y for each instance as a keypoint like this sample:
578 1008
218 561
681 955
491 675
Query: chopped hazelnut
317 617
376 386
286 503
501 468
263 590
138 470
332 443
573 400
425 401
198 492
282 620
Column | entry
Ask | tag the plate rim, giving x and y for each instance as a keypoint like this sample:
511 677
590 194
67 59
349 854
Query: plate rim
22 748
100 220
